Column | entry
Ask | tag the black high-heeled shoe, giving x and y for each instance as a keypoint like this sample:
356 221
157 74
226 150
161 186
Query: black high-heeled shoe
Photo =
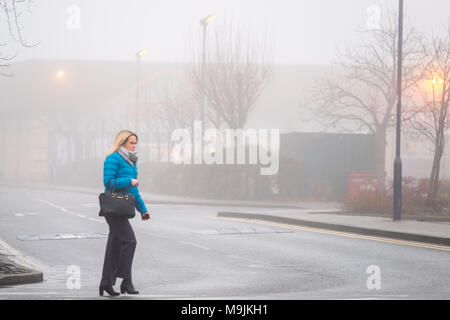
109 290
127 287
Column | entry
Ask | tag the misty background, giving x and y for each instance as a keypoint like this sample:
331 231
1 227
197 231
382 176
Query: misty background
75 80
301 32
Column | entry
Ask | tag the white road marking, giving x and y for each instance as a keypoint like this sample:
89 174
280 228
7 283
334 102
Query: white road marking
27 293
123 296
48 203
245 259
61 208
90 205
26 214
378 297
195 245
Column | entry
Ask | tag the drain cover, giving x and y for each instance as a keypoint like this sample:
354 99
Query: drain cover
63 236
243 230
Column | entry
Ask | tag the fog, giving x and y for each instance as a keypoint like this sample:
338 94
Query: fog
301 32
72 78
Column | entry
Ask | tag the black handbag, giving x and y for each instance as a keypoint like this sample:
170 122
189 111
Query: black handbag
116 204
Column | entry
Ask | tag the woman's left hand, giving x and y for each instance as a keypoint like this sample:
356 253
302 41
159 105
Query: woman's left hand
145 216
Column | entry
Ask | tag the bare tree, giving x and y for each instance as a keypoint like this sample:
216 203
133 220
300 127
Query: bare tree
13 9
434 120
237 71
176 110
362 98
171 106
178 106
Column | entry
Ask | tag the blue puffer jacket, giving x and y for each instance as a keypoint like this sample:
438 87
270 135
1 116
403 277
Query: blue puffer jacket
116 167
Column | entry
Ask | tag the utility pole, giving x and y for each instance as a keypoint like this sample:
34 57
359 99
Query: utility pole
398 159
139 55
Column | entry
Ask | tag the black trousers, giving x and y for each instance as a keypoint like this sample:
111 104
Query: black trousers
119 251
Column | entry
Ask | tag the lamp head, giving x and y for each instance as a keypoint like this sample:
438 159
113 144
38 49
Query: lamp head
206 20
141 53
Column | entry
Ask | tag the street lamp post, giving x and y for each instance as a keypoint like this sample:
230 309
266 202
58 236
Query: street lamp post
398 159
139 55
204 23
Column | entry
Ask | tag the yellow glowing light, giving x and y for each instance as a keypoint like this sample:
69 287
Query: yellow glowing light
142 52
60 74
437 80
206 20
210 18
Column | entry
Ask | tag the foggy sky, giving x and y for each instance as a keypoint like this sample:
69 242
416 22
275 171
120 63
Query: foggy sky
301 32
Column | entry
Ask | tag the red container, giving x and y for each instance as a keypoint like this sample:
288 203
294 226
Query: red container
361 181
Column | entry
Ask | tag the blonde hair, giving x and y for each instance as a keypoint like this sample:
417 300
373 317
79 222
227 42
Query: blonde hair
120 139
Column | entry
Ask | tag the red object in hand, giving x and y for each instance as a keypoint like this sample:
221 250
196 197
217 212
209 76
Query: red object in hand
145 216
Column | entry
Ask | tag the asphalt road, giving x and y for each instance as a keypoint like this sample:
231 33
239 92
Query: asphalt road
186 252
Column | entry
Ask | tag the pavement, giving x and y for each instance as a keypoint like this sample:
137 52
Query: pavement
13 270
321 215
13 273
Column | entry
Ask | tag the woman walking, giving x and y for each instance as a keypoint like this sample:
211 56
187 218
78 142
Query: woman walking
121 165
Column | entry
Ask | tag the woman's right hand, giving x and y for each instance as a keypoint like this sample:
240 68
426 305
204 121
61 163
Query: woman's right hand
134 182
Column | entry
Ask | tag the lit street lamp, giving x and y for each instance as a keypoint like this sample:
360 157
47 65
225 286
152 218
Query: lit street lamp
434 81
437 80
139 55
